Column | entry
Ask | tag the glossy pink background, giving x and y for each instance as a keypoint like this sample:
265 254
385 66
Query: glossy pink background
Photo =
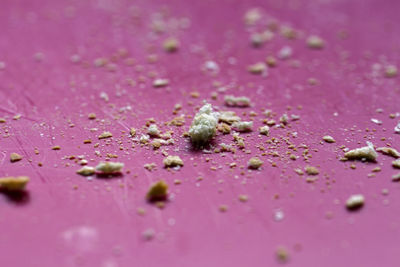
97 224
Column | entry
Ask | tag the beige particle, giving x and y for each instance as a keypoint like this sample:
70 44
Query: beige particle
355 202
310 170
396 164
257 68
157 191
160 83
391 71
328 139
86 171
368 153
109 167
282 254
254 163
14 157
315 42
105 135
172 161
13 183
389 151
171 45
243 198
223 208
91 116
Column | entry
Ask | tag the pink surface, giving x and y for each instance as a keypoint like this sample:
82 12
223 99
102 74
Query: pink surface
66 220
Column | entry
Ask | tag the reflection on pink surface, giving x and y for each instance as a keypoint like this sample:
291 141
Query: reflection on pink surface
48 50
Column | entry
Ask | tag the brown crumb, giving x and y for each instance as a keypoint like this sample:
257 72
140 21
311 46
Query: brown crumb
282 254
328 139
92 116
157 191
171 45
56 148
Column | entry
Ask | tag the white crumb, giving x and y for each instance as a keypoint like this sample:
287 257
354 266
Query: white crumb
368 153
204 124
237 101
243 126
109 167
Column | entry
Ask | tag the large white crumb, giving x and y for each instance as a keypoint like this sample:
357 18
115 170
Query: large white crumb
237 101
355 202
243 126
109 167
204 124
397 128
368 153
153 130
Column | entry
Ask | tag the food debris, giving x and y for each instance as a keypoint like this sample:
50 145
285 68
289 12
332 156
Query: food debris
389 151
148 234
160 83
105 135
228 117
328 139
257 68
13 183
368 153
150 166
243 126
86 171
157 191
243 198
109 167
315 42
282 254
204 125
153 130
264 130
56 148
223 208
172 161
92 116
396 164
237 101
355 202
397 128
391 71
14 157
310 170
285 52
132 132
396 177
171 45
254 163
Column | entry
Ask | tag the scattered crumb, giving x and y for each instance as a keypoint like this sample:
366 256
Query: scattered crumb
396 177
56 148
243 126
264 130
254 163
237 101
243 198
391 71
223 208
132 132
157 191
310 170
328 139
171 45
153 130
257 68
13 183
315 42
172 161
86 171
368 153
389 151
109 167
396 164
228 117
355 202
150 166
105 135
14 157
282 254
160 83
92 116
